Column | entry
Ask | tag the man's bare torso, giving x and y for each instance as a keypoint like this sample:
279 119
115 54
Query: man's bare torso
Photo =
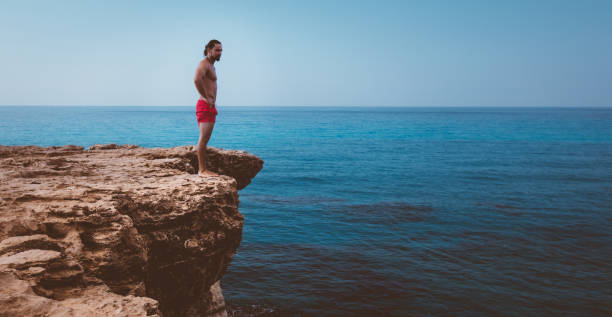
206 76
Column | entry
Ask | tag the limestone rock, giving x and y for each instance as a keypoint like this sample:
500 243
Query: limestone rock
18 299
117 230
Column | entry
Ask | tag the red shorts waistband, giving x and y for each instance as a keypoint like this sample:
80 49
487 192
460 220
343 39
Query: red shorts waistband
202 105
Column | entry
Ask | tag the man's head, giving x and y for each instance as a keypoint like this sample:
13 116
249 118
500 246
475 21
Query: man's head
213 50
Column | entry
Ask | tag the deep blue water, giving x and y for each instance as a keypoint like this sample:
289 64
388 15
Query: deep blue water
395 211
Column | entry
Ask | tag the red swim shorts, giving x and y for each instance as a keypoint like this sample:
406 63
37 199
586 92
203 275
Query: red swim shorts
204 112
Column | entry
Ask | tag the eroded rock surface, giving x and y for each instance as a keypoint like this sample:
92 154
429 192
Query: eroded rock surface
117 230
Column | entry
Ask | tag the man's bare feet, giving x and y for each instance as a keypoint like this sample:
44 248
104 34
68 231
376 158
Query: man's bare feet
207 173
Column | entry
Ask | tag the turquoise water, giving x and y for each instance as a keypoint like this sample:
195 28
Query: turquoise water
395 211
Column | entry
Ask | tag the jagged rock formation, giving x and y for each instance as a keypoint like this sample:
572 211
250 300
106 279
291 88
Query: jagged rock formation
117 230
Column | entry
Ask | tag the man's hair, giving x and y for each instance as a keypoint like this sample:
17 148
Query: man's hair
210 45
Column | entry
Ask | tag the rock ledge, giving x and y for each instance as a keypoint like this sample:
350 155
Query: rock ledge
117 230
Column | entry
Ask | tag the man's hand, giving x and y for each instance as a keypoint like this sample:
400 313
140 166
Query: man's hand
210 104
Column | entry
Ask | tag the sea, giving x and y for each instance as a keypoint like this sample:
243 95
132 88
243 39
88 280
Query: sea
394 211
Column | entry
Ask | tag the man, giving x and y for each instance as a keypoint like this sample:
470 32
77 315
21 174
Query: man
206 112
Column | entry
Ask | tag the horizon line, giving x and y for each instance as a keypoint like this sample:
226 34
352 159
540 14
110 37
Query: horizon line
328 106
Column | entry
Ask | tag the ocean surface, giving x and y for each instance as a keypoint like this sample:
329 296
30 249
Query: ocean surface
364 211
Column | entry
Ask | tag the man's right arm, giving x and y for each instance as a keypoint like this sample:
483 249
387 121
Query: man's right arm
199 79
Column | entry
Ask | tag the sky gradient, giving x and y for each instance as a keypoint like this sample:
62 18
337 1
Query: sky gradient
309 53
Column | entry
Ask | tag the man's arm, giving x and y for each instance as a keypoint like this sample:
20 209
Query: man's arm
199 79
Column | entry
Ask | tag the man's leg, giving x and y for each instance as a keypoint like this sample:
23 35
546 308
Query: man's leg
205 132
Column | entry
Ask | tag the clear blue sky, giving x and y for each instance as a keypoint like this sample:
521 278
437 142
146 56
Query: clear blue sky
317 53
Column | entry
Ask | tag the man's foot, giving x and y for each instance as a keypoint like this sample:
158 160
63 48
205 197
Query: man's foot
207 173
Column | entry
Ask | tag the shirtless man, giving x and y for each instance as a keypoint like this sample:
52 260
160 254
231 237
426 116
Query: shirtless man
206 82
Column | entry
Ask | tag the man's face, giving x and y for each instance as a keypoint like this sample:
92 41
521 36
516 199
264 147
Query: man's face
216 52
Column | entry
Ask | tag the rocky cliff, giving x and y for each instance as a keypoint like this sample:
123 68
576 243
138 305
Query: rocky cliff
117 230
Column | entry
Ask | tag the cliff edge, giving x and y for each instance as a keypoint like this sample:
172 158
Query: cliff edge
117 230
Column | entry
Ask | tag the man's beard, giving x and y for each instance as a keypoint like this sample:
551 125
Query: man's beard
218 58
